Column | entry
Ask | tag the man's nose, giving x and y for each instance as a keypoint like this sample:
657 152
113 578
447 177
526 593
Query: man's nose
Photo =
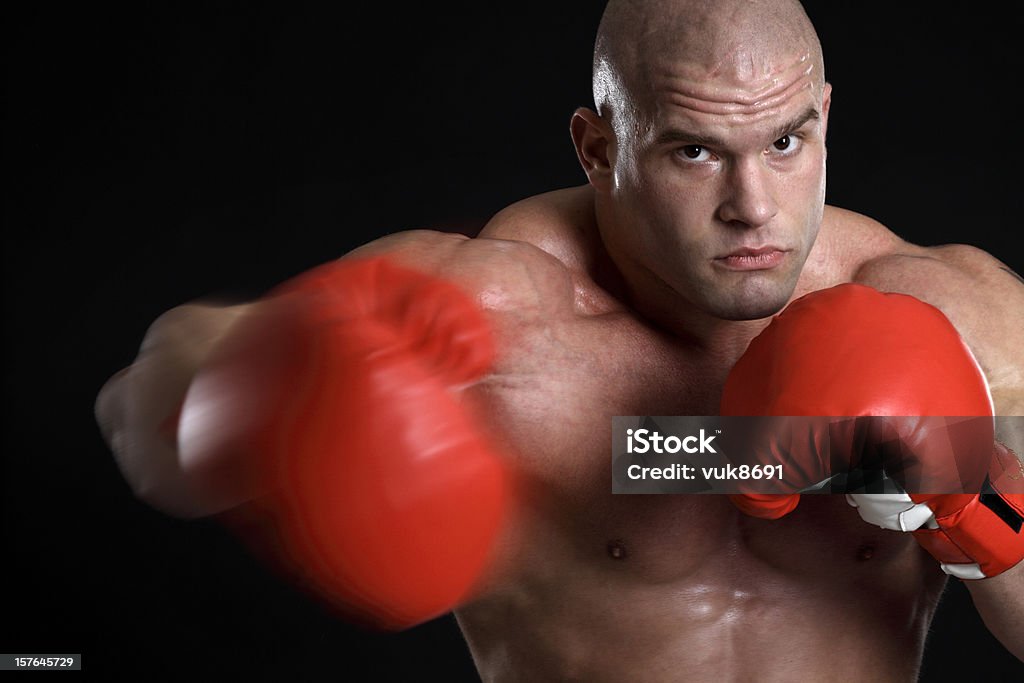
749 197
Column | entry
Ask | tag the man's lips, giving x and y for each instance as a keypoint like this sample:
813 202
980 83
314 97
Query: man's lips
753 258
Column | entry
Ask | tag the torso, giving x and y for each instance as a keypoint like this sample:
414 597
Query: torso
638 588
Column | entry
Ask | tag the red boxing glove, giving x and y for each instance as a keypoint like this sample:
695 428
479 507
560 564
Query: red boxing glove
853 351
972 536
338 403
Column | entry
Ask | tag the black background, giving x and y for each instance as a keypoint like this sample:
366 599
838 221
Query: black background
156 153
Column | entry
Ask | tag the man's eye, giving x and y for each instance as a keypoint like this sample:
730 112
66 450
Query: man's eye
694 153
787 144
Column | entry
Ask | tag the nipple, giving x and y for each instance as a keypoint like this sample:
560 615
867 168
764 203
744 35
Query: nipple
616 550
865 552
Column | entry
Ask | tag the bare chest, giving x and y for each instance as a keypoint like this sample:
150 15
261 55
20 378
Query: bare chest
558 384
552 398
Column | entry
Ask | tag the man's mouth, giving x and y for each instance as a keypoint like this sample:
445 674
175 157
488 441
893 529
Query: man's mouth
753 258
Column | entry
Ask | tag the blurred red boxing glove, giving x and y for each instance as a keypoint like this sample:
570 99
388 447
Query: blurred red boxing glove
339 404
855 352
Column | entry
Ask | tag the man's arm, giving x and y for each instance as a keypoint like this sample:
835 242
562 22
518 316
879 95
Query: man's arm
984 299
515 285
137 408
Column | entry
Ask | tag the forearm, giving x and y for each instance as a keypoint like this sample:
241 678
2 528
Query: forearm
1000 599
136 407
1000 602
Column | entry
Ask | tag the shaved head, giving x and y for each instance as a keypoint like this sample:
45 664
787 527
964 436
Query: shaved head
722 47
707 153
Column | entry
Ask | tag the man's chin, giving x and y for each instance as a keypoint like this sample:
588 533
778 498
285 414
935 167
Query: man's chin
748 312
752 300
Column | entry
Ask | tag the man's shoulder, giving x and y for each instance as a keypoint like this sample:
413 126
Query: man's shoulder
501 273
557 223
873 254
976 291
560 223
980 295
868 252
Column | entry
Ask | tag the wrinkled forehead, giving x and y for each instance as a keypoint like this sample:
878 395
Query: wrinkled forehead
742 85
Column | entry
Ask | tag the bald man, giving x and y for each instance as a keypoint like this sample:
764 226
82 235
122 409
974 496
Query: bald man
635 294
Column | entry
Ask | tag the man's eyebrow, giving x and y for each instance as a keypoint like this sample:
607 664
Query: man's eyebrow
809 114
678 135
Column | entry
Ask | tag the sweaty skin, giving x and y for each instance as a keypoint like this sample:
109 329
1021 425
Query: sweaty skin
703 215
640 588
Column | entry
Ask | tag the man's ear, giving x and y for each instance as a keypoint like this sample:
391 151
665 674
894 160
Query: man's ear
826 102
592 137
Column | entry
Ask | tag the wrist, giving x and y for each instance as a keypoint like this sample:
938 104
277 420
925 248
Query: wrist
983 536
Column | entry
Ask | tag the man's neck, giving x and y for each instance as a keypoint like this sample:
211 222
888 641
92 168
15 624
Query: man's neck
659 305
670 311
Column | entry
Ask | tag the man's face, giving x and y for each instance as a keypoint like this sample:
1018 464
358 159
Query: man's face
718 190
